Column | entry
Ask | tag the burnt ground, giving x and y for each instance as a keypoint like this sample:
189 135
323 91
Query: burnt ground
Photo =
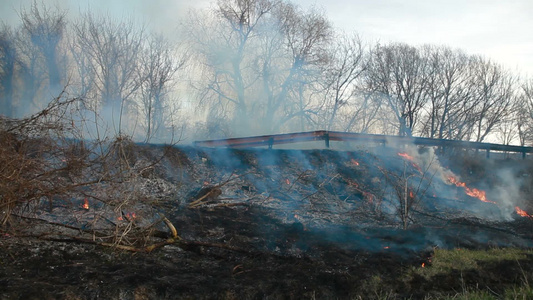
276 224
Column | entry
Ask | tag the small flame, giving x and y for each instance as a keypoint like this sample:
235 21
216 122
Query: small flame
287 181
386 247
85 204
522 212
411 159
129 216
354 162
406 156
423 265
472 192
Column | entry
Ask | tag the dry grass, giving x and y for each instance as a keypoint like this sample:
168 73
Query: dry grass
45 157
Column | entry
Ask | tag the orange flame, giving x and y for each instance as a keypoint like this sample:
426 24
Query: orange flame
472 192
411 159
85 204
522 212
406 156
354 162
423 265
130 216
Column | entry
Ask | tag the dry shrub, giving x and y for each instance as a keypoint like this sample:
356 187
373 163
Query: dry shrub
35 157
45 157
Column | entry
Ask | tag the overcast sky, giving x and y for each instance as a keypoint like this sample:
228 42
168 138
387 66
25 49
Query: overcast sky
500 30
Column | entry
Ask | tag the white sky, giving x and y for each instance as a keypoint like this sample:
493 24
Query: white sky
497 29
500 30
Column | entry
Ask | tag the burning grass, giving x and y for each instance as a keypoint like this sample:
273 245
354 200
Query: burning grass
263 223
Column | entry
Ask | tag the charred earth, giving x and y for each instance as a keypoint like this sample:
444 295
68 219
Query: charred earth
205 223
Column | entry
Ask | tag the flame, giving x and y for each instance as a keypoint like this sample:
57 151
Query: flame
130 216
406 156
354 162
386 247
522 212
287 181
411 159
423 265
472 192
85 204
368 196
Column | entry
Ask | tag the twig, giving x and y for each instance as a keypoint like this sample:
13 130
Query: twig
198 201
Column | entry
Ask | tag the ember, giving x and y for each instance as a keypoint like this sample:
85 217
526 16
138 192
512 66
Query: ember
472 192
85 204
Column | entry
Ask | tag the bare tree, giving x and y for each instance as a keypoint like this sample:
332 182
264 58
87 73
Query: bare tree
494 97
399 74
306 39
45 28
111 52
224 42
348 102
449 86
158 66
524 113
8 57
261 57
342 82
40 63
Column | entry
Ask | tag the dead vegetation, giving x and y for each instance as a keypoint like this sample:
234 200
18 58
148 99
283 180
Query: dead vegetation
340 224
46 162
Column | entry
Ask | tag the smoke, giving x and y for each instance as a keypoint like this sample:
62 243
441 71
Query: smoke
348 198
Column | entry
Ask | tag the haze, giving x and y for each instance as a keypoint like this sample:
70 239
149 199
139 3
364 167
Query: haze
499 30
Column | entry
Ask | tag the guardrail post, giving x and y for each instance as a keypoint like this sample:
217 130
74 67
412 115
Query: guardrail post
488 153
270 142
326 139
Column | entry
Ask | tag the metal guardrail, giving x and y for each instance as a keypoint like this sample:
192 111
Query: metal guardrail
327 136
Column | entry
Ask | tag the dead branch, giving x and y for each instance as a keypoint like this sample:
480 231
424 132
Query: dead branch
171 227
213 190
301 175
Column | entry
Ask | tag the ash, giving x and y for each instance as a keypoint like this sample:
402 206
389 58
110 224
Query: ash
254 224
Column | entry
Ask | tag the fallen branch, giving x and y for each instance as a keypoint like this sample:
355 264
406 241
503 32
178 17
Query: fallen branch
214 188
